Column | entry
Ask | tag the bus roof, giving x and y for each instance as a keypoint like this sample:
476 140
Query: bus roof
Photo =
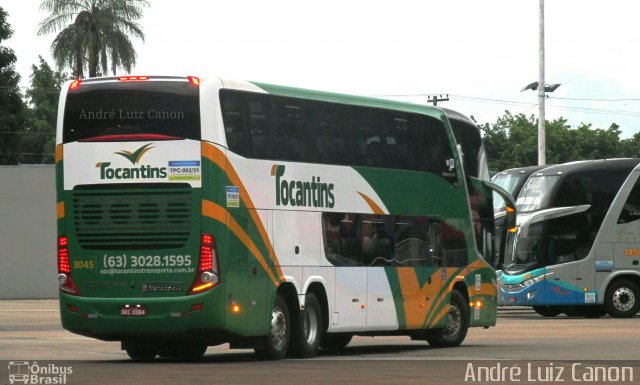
363 101
524 171
455 115
586 166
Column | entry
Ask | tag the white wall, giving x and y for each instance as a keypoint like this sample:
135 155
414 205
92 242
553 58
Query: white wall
28 232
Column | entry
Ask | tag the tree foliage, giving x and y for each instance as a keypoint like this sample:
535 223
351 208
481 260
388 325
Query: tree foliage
38 140
512 141
98 38
11 104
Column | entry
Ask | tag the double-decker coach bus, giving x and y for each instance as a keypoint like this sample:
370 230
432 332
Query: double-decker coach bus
196 212
577 247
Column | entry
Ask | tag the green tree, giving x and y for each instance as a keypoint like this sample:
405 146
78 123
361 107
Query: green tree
513 142
38 139
631 147
98 39
11 104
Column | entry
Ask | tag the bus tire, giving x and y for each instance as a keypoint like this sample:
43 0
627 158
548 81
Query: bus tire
187 352
140 351
547 311
622 299
457 324
307 329
276 342
593 311
335 341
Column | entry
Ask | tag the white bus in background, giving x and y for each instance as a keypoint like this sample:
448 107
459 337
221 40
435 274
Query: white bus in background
577 247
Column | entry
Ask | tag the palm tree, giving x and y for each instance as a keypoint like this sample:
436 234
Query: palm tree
97 40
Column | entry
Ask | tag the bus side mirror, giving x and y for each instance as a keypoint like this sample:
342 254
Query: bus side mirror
505 221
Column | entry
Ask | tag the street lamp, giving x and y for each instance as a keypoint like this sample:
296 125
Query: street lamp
547 88
541 116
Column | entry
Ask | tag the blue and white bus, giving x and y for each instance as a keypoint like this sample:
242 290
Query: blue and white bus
577 246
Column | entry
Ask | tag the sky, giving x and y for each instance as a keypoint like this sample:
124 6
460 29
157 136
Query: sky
479 53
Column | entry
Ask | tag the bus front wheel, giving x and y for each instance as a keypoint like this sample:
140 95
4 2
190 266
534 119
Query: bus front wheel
622 299
457 324
276 342
547 311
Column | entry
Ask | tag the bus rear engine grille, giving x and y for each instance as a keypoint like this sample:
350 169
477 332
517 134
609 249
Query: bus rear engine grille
132 217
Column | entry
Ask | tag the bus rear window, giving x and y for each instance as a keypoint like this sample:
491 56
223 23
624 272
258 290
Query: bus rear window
113 111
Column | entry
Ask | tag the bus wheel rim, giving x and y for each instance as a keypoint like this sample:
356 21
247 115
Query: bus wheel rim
624 299
454 320
311 325
278 328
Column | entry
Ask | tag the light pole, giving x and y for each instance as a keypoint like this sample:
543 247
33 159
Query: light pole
542 159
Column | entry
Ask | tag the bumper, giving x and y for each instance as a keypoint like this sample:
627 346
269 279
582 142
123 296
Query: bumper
167 317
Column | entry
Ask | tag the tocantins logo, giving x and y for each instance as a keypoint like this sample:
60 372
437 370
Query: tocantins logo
139 172
313 193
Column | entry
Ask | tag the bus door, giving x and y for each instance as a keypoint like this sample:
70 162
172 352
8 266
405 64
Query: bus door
565 245
627 224
350 312
246 281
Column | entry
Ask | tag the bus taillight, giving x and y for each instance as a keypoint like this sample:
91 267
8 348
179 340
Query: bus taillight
64 267
132 78
207 266
74 84
195 81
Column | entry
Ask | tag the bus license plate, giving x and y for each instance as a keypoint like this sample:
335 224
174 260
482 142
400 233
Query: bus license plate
133 311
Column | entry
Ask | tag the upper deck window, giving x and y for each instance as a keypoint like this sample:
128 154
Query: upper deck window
113 111
263 126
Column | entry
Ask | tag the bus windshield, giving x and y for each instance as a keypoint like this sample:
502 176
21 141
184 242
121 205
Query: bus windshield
116 110
507 182
536 193
524 251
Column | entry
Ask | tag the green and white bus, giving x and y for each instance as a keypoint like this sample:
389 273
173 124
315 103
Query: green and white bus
195 212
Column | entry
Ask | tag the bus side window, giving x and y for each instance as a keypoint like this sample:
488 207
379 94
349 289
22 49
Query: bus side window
292 133
434 148
247 123
329 123
366 137
397 139
234 121
631 210
259 122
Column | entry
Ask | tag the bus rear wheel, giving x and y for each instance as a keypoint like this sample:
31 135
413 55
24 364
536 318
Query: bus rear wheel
189 352
457 325
547 311
276 342
140 351
335 341
307 330
622 299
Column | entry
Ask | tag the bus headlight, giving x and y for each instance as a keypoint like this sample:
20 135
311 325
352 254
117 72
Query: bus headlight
537 279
